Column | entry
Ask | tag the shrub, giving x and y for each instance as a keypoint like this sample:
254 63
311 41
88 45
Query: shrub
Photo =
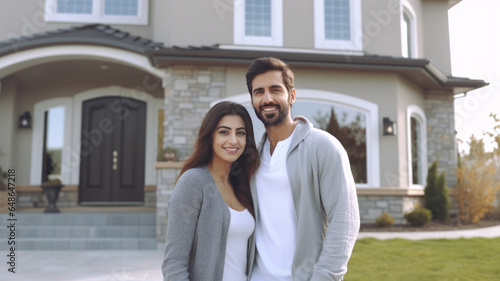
418 217
384 220
436 195
478 177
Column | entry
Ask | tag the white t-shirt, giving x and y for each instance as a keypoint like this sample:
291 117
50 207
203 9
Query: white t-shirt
241 227
276 228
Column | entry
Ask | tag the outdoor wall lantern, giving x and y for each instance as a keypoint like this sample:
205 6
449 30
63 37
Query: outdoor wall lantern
389 127
25 120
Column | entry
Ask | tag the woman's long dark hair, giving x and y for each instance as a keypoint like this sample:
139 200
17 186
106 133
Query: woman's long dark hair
244 167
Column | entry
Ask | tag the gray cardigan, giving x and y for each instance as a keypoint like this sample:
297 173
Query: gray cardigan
198 222
326 204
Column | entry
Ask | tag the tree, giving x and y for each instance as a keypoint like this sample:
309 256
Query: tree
478 177
352 136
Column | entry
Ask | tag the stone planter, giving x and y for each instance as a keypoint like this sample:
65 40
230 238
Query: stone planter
52 194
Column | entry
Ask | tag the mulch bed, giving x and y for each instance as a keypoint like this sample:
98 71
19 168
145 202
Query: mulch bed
431 226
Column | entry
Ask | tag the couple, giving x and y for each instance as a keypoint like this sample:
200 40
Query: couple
285 211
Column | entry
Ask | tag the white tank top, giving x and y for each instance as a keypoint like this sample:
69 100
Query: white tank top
241 228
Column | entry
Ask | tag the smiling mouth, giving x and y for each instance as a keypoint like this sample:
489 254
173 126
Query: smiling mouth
231 150
269 108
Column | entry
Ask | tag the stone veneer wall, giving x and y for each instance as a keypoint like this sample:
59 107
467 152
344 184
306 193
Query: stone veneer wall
441 139
189 91
166 174
372 206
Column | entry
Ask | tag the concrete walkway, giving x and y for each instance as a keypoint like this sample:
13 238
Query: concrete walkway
487 232
145 265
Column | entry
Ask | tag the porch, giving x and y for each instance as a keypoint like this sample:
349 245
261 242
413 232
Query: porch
84 228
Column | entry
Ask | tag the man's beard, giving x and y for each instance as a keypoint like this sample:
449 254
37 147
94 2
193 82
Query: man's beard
272 119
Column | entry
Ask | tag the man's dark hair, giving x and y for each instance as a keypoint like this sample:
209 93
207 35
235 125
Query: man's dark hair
263 65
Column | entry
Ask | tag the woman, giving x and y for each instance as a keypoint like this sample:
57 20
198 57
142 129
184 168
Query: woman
210 212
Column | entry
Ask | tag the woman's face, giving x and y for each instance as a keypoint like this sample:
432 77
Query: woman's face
229 139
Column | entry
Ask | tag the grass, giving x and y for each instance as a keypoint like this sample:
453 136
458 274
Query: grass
433 259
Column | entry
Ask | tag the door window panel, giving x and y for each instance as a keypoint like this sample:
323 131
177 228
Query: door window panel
53 143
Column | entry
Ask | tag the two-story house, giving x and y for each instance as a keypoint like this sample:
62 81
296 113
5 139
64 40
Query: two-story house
105 85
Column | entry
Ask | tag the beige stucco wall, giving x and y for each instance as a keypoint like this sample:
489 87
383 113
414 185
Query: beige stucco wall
436 34
298 24
381 27
8 122
195 23
407 95
199 23
23 18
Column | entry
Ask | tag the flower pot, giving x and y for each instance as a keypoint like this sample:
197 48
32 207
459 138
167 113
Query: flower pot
170 156
52 194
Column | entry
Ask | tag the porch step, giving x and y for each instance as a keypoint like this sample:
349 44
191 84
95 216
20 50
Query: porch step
83 231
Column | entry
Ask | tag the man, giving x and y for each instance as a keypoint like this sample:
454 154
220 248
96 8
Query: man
304 193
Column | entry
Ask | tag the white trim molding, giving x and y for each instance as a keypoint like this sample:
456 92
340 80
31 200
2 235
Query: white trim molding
372 124
98 14
20 60
356 31
38 137
240 37
419 114
407 9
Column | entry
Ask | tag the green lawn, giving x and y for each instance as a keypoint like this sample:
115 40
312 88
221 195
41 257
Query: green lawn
435 259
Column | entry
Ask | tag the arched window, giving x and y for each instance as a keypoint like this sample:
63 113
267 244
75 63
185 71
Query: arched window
408 32
417 147
351 120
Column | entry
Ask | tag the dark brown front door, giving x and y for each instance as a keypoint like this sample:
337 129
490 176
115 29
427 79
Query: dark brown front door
112 151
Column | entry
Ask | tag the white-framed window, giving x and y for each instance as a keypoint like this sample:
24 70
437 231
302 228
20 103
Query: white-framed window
417 146
351 120
258 22
134 12
408 31
51 137
337 25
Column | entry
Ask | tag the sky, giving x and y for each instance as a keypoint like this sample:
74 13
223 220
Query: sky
475 54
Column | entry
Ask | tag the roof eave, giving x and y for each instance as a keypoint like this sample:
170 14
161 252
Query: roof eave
421 71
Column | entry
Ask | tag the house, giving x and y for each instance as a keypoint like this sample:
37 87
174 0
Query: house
105 85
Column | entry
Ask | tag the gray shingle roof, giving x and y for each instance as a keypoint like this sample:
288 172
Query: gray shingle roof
91 34
422 71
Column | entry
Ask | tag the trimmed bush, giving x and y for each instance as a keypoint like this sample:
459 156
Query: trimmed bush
418 217
436 194
384 220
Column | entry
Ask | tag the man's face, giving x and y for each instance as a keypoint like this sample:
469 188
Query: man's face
270 98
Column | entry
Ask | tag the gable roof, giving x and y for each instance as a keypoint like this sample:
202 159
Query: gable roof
420 71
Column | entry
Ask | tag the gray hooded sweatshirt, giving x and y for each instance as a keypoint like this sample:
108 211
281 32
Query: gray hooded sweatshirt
326 204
